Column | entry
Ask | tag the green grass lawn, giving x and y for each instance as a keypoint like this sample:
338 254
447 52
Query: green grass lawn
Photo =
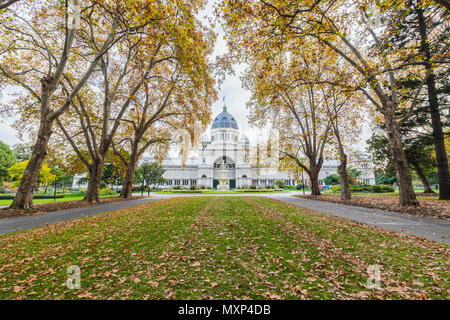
222 192
67 197
220 248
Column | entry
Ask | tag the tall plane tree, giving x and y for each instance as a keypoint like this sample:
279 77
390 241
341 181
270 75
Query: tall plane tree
346 109
162 107
291 90
173 35
267 28
37 48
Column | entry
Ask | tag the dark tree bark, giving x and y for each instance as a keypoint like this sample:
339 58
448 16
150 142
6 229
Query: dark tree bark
127 187
6 3
423 177
24 196
343 175
407 197
438 135
95 179
342 169
314 177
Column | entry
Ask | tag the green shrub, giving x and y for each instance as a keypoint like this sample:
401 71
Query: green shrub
182 191
279 184
331 180
38 196
261 190
364 188
105 192
336 188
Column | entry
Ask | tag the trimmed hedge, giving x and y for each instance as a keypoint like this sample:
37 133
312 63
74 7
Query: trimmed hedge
260 190
102 192
378 188
38 196
185 191
236 190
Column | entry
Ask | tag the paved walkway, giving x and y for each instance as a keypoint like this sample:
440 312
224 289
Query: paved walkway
430 228
22 223
434 229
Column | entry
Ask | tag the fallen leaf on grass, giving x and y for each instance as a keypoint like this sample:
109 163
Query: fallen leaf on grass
85 294
17 289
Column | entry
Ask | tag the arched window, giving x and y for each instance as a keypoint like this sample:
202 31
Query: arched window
244 177
229 163
203 177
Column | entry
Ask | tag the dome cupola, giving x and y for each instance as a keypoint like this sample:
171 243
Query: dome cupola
244 139
224 120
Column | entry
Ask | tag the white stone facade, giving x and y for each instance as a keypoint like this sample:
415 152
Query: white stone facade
360 162
223 145
226 145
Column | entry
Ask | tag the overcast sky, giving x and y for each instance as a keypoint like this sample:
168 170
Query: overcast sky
235 99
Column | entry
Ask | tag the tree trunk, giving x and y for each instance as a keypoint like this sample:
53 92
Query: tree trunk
95 179
24 196
314 177
438 135
423 177
407 197
127 187
315 190
343 175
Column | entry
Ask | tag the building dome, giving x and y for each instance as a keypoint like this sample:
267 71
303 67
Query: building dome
244 139
206 138
224 120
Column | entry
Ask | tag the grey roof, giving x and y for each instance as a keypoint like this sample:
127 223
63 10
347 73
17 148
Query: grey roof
244 139
224 120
